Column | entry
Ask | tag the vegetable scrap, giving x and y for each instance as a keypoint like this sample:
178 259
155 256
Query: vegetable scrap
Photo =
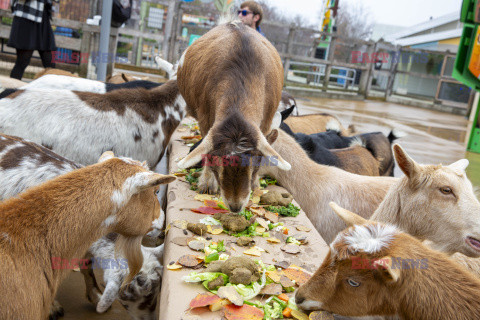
288 211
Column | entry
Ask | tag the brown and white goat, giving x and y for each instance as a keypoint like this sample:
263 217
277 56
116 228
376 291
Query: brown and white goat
80 126
315 123
62 218
231 79
376 269
24 164
313 186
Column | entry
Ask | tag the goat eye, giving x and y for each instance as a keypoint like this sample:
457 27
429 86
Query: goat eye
445 190
353 283
157 191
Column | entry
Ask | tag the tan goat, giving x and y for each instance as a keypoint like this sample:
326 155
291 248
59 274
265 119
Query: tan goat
313 186
314 123
62 218
231 79
376 269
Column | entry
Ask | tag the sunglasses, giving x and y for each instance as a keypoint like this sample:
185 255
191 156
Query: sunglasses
244 12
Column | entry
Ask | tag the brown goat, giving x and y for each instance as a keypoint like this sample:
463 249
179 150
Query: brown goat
54 71
231 79
62 218
357 159
315 123
376 269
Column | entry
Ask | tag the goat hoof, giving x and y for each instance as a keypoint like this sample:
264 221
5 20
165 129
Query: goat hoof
94 296
56 311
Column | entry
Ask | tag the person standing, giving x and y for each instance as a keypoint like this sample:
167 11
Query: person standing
251 14
31 30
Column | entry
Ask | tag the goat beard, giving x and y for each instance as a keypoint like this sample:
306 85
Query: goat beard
131 249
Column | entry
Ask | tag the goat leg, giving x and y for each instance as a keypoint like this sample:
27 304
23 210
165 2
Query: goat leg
94 293
56 311
207 182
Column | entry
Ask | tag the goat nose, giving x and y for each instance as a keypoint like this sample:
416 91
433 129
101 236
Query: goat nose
235 207
299 299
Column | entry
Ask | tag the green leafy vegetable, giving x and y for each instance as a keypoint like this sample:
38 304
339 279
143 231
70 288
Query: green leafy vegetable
293 240
191 179
212 257
288 211
246 213
266 181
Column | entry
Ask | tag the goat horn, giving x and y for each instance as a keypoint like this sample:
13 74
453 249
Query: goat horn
348 217
106 155
196 155
266 149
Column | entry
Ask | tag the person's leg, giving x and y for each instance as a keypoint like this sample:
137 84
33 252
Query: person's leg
23 59
47 59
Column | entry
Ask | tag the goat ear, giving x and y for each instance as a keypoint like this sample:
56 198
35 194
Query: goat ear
388 273
156 251
153 179
105 156
459 166
196 155
277 121
286 113
348 217
406 164
266 149
272 136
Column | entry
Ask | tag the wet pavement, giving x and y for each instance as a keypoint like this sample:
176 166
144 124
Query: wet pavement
433 137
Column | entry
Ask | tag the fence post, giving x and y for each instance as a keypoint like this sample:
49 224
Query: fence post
173 7
366 77
85 51
393 72
330 58
176 33
286 66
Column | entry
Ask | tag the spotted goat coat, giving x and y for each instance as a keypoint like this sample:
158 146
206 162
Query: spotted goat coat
80 126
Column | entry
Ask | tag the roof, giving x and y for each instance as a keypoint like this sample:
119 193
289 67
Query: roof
430 24
432 37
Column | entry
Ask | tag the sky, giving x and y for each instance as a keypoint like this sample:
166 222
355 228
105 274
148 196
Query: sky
394 12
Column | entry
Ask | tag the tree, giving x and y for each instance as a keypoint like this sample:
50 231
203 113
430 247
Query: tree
354 20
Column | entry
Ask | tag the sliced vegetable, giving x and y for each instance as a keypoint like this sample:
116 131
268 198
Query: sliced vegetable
218 305
245 312
287 312
283 297
212 257
203 300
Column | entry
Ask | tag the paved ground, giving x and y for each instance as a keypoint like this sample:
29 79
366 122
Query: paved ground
433 137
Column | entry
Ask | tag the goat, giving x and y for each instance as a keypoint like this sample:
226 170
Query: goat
122 78
313 186
62 218
231 79
7 82
24 164
141 295
314 123
288 102
81 125
376 269
376 142
57 82
54 71
355 159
